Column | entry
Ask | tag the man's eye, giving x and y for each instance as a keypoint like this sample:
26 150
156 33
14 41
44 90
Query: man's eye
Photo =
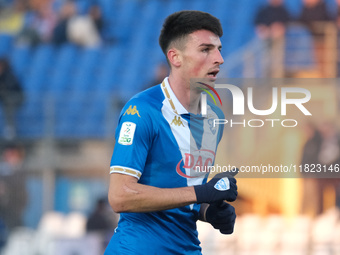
205 50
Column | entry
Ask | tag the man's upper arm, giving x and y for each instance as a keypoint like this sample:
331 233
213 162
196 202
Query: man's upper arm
121 188
118 182
133 140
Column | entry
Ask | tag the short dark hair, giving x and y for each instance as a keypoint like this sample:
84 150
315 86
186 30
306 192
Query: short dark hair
182 23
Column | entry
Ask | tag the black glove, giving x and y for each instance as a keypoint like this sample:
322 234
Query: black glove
221 216
221 187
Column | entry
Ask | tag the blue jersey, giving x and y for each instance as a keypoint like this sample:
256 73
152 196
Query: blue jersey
162 145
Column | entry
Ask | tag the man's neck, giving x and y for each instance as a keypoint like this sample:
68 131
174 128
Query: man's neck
188 98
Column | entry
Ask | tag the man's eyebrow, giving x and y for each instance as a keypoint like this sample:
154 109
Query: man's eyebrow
210 45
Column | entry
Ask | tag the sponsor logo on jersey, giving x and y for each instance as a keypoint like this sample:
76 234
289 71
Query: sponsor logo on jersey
132 111
126 134
196 164
177 121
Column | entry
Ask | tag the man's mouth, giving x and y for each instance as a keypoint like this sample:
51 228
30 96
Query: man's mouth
213 73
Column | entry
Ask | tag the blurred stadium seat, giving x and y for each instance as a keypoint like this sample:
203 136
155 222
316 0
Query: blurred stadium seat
20 59
34 77
6 44
20 242
57 233
274 234
86 245
299 48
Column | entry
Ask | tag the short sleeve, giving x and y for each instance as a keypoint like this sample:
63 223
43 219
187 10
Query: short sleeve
133 139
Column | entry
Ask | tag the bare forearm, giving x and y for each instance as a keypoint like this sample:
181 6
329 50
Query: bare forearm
135 197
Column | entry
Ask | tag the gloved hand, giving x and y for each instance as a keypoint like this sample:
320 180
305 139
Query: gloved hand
221 216
221 187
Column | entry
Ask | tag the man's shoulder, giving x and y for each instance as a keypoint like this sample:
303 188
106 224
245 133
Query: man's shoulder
147 102
152 94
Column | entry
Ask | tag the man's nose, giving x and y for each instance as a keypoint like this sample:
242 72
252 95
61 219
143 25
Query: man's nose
219 59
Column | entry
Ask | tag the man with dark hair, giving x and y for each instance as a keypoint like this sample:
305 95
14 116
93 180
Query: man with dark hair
178 25
316 17
271 20
162 145
314 11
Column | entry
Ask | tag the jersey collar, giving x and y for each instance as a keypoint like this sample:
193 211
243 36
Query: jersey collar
176 106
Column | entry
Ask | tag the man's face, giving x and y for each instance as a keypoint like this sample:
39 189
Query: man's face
201 56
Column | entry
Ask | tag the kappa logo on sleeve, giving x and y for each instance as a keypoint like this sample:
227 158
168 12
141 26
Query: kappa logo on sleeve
127 133
132 111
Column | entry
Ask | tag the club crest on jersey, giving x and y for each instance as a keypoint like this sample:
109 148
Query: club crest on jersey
177 121
195 164
222 184
132 111
211 126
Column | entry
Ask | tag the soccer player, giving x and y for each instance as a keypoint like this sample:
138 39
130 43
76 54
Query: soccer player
163 144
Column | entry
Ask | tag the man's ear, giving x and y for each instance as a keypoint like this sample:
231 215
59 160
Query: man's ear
174 56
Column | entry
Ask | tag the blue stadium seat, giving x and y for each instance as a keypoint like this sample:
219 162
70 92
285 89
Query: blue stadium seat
2 121
68 112
6 42
118 70
108 7
243 27
82 6
332 7
95 118
84 74
21 59
199 5
127 14
172 6
34 78
67 54
109 70
299 48
32 117
84 117
294 7
64 64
